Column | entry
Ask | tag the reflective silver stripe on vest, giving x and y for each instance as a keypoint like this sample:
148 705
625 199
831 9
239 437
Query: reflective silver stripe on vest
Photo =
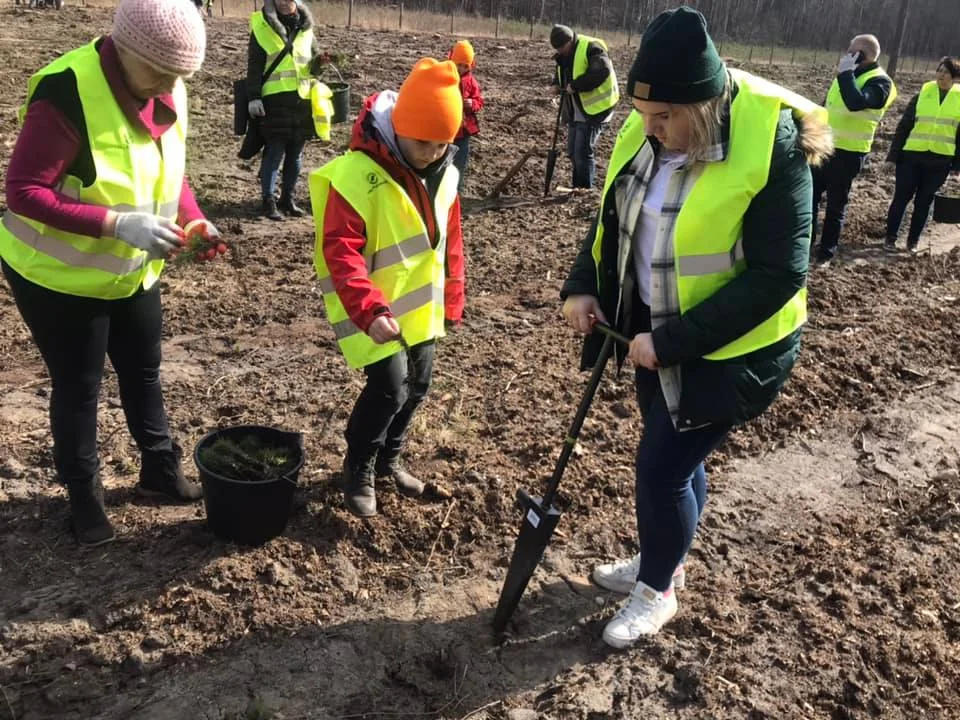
391 255
302 59
946 139
852 135
395 254
168 209
949 122
67 253
413 300
873 114
281 75
690 265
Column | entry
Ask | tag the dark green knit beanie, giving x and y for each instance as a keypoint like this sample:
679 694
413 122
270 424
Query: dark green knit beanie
677 61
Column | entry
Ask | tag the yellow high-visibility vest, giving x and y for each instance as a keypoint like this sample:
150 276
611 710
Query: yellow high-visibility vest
132 174
707 234
402 260
292 74
854 130
935 129
602 98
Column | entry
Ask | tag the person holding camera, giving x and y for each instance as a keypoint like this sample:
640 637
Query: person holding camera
858 98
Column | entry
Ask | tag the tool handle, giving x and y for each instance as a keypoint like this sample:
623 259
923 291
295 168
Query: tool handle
574 432
556 129
605 329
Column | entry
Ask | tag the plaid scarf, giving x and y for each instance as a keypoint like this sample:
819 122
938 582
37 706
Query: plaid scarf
631 189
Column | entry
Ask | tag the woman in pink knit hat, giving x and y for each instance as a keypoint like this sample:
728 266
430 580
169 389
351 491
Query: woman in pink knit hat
97 200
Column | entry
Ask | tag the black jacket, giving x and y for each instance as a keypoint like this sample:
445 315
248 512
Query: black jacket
776 244
599 68
928 159
872 96
288 116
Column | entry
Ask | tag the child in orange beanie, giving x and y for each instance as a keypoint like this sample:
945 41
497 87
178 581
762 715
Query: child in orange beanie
466 60
389 262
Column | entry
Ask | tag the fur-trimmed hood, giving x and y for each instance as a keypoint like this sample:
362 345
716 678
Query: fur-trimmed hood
270 14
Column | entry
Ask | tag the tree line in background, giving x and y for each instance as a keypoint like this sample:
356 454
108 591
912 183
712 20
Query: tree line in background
932 26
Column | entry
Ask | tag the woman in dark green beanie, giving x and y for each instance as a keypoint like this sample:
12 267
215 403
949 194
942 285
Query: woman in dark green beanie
699 253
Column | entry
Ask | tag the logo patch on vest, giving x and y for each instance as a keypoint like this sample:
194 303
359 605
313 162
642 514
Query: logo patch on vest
375 180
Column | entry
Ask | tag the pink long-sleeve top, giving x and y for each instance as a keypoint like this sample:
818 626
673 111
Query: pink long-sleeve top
50 146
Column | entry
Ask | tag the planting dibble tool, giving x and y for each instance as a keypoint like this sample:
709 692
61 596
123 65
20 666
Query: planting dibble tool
540 517
552 154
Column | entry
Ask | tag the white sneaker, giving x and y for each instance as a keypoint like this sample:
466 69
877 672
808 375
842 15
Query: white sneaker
645 612
621 576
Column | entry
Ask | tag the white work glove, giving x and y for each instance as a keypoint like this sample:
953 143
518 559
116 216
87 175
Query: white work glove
255 108
155 235
848 63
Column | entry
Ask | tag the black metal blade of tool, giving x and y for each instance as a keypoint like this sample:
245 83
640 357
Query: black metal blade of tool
540 518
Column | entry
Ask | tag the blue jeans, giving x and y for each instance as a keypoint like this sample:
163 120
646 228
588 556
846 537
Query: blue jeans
462 159
917 182
291 153
671 483
581 143
835 179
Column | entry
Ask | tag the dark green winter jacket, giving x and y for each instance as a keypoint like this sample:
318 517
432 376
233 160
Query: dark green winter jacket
776 246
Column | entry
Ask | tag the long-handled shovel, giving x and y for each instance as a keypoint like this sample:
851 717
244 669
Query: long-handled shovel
552 155
540 518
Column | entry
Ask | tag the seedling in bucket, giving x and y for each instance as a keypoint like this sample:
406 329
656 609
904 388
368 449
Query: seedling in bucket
248 474
540 517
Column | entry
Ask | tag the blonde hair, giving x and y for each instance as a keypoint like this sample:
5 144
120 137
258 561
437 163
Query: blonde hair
705 120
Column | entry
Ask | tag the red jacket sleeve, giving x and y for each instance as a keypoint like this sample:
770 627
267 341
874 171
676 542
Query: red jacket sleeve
47 146
454 293
472 89
344 236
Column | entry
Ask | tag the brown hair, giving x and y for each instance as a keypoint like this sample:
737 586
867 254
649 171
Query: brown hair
951 65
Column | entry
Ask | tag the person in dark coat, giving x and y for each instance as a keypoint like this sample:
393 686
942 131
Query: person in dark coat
586 80
280 105
699 254
859 96
925 148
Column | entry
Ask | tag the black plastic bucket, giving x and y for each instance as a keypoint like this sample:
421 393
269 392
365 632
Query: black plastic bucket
341 101
249 512
946 209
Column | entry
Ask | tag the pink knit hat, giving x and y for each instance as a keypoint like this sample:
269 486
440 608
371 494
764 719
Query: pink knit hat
166 34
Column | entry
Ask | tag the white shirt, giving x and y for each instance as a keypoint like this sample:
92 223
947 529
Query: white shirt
645 235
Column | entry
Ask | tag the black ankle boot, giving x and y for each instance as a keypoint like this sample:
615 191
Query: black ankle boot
289 207
389 466
270 209
88 517
358 487
161 473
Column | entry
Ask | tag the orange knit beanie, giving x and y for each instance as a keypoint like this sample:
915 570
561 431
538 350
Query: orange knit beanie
463 54
429 106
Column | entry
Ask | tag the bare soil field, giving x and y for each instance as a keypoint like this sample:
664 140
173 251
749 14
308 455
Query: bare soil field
822 583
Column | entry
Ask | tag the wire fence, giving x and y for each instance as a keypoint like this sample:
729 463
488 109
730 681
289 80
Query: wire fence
377 16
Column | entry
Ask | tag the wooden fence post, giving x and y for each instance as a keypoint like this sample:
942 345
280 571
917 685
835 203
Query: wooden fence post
451 20
350 13
772 46
401 16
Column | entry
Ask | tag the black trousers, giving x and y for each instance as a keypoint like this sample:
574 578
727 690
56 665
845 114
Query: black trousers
396 386
835 179
75 335
917 181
